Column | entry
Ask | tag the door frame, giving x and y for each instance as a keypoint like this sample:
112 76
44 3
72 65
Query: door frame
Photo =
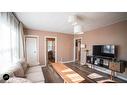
32 36
45 49
75 48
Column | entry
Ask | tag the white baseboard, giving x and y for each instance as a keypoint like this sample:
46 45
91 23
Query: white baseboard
43 65
68 61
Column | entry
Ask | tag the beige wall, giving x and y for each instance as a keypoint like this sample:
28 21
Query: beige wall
113 34
64 44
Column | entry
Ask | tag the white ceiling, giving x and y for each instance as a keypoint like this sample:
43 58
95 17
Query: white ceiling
58 22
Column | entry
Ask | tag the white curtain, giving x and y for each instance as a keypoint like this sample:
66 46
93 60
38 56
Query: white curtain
10 41
21 42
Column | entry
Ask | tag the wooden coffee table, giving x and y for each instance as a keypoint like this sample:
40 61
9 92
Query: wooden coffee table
67 74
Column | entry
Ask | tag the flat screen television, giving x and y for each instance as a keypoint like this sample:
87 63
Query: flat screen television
105 50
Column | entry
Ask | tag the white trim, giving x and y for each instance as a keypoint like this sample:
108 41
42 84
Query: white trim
32 36
42 65
55 47
74 47
68 61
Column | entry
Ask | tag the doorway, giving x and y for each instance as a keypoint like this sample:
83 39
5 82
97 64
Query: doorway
77 50
51 44
32 50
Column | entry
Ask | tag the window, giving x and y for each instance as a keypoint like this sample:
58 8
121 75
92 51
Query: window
50 45
9 41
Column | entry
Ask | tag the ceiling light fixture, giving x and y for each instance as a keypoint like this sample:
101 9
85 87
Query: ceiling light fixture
73 19
78 29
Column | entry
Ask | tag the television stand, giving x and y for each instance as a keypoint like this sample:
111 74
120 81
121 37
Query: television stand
107 63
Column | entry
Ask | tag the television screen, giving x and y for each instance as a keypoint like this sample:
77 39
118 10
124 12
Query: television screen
110 49
104 50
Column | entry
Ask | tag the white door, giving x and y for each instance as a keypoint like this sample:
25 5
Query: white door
31 51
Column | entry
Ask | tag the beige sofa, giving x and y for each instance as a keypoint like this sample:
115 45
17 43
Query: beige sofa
32 73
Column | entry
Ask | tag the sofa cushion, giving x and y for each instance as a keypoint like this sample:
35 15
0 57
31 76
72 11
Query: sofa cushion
19 72
18 80
34 69
23 64
35 77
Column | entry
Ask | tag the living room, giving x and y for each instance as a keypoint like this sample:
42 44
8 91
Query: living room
47 44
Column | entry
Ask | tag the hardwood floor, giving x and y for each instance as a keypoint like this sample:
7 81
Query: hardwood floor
52 77
85 71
